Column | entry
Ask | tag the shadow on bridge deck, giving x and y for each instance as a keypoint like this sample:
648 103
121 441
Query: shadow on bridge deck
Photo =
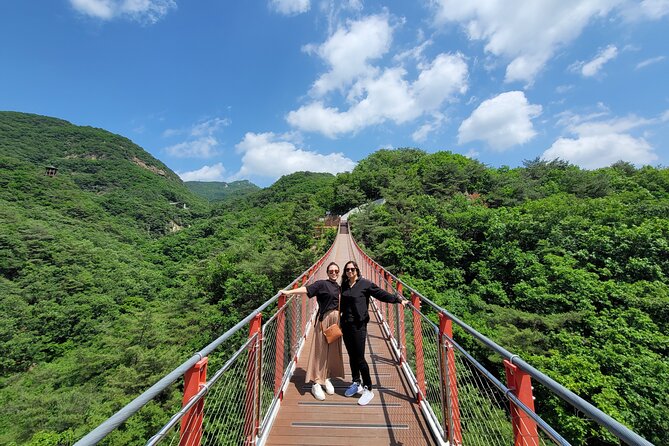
392 418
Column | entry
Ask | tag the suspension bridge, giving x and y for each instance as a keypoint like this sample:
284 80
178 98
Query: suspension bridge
248 386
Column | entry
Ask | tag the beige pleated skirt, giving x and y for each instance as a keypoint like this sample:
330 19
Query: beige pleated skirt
325 360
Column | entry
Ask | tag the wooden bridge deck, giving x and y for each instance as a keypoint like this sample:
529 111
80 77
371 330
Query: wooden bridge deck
392 418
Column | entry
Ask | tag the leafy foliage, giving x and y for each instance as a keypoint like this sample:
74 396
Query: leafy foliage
113 272
219 190
566 267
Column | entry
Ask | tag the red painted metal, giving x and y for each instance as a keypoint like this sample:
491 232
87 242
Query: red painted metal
395 312
450 384
303 300
191 423
524 428
252 400
280 338
418 344
403 335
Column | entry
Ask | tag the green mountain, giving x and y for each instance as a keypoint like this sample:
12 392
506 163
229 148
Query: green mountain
219 190
98 174
113 271
567 268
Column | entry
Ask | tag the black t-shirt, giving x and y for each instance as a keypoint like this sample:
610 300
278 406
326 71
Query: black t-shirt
327 295
355 300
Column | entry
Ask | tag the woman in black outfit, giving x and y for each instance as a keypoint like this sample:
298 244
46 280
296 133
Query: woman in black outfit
325 360
355 294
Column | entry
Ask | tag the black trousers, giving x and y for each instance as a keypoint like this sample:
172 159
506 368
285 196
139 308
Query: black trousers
355 338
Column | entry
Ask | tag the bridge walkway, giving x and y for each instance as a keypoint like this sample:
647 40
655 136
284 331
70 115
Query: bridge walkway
392 418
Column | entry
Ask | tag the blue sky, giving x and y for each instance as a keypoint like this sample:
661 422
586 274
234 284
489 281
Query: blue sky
255 89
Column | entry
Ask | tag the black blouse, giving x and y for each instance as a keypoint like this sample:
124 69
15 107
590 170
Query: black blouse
326 293
355 300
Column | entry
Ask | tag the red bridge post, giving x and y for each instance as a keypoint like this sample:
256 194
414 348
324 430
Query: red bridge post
305 309
402 335
191 423
392 311
280 339
252 401
418 344
524 428
449 383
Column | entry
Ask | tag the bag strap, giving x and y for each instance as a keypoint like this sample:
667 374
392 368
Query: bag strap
338 315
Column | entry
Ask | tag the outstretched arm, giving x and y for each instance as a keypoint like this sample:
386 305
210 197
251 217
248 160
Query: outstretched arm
385 296
300 290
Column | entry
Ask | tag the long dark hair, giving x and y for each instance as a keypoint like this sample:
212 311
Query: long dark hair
344 277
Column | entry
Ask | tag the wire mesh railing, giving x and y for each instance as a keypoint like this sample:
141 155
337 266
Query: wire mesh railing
237 402
284 335
463 402
242 395
229 405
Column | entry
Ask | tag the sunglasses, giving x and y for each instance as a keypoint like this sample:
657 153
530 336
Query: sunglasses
349 269
335 271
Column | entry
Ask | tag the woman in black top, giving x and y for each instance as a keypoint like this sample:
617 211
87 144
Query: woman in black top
355 294
325 360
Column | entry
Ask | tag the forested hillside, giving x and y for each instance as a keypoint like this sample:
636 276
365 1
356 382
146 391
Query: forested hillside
112 273
219 190
567 268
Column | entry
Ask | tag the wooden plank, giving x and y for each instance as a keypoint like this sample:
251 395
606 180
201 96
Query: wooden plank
393 417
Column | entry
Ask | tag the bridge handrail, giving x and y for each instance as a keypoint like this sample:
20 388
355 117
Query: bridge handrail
621 431
104 429
198 396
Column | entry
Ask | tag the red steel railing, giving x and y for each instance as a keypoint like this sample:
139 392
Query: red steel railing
462 401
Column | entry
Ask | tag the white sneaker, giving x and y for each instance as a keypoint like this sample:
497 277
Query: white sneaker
366 397
317 391
329 388
354 388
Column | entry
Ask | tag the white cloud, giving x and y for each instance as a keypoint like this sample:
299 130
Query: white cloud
387 96
203 142
171 132
600 143
102 9
472 154
445 76
619 125
206 173
204 147
348 52
209 127
645 10
271 156
562 89
421 134
502 122
149 11
290 7
527 33
591 68
371 93
335 9
591 152
650 61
